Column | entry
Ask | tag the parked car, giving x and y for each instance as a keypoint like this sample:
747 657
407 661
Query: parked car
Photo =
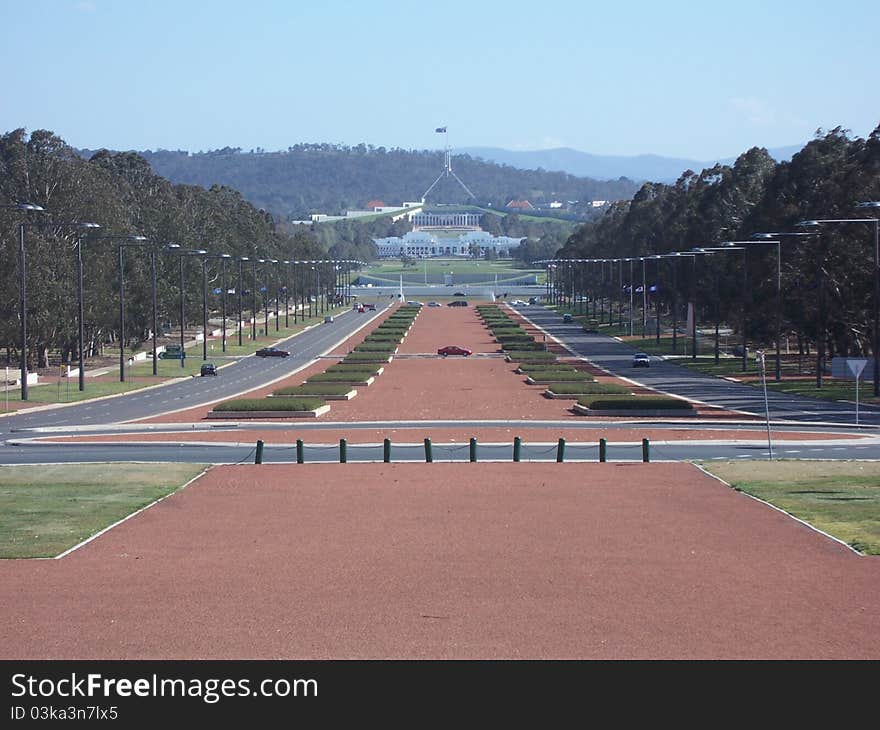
415 304
208 368
433 304
457 303
453 350
172 352
272 352
641 360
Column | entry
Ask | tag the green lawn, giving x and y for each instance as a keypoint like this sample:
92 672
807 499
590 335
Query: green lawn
46 509
505 268
841 498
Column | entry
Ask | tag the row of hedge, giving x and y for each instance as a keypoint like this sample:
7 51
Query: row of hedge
359 365
543 367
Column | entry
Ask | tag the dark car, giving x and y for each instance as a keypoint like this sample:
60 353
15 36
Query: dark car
370 307
453 350
641 360
566 318
208 368
458 294
272 352
533 300
457 303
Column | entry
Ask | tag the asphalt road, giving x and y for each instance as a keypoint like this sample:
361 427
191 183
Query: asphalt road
244 374
232 454
666 376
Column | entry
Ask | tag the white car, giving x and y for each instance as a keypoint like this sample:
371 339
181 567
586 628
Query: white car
519 303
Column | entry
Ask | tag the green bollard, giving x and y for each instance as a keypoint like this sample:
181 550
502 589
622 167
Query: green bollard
299 452
386 451
258 457
560 451
646 451
603 450
429 453
473 450
517 448
343 451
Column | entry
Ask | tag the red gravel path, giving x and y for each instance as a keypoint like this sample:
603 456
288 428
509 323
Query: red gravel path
448 561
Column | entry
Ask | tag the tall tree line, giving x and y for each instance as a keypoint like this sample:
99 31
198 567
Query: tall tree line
826 179
120 192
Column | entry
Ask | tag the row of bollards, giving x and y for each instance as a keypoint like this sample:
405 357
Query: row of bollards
472 451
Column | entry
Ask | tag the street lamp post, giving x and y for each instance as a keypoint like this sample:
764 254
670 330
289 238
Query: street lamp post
181 254
135 241
80 307
22 284
223 257
871 205
241 260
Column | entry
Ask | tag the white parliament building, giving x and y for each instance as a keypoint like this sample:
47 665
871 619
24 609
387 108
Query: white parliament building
444 234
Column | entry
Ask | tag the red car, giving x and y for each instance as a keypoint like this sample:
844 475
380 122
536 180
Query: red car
453 350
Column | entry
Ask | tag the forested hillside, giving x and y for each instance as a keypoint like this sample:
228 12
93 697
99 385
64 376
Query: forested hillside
333 178
122 194
826 179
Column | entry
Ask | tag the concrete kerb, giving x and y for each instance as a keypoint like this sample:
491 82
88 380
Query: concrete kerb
276 380
172 380
622 377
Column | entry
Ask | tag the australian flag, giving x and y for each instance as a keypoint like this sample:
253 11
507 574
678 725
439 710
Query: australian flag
440 129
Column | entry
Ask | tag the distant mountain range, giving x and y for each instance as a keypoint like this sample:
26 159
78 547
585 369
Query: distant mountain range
606 167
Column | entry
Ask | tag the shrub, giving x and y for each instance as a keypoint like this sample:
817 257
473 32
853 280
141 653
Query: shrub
518 345
560 376
270 404
309 389
345 367
633 402
376 357
529 356
375 347
543 367
337 377
587 388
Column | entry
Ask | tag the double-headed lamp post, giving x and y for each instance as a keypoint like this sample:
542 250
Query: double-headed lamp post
182 253
774 238
223 257
867 206
23 207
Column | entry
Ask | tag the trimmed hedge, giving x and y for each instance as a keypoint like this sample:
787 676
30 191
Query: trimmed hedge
361 357
376 347
528 346
529 356
587 388
560 376
310 389
633 402
359 368
383 337
542 367
336 377
270 404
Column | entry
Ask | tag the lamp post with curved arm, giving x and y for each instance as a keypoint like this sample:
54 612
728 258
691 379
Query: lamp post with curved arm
870 205
182 253
241 260
22 283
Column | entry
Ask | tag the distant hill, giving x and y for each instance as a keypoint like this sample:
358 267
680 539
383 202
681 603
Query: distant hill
330 179
607 167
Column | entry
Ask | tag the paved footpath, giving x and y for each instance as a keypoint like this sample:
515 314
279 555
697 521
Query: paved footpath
448 561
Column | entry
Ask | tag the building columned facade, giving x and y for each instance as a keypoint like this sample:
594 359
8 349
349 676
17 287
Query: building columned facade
424 244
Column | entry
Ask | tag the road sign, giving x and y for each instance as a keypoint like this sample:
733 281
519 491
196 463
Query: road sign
855 365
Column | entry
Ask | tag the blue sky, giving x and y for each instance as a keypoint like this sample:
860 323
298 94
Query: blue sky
672 78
